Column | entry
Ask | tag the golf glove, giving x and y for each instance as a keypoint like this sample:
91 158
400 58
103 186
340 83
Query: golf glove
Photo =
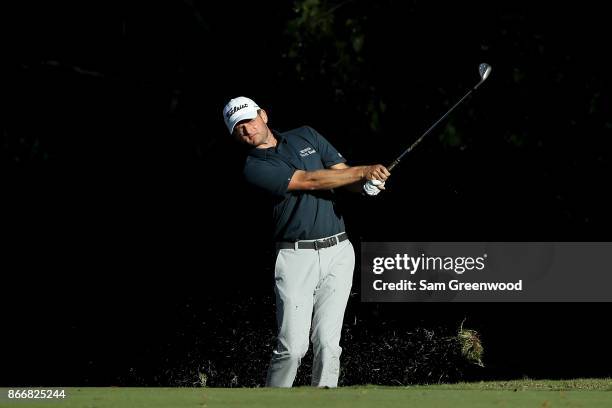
370 187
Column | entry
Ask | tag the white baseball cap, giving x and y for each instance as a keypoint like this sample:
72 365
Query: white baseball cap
238 109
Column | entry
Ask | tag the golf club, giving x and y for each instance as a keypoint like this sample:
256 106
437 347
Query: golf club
484 70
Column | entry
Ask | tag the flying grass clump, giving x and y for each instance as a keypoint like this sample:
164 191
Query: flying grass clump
471 347
419 356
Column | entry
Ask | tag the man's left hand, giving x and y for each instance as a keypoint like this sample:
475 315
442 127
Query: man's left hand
373 187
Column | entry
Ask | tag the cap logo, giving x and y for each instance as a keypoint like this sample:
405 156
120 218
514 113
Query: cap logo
235 109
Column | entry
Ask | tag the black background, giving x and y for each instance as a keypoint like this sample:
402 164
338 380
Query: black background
129 232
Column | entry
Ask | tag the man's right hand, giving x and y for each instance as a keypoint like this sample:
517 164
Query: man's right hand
376 172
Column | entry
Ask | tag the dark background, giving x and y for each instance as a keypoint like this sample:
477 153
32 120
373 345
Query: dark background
132 243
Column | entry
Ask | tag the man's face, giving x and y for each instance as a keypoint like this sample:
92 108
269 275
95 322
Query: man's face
253 132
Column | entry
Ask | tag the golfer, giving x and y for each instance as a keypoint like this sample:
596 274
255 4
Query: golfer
314 258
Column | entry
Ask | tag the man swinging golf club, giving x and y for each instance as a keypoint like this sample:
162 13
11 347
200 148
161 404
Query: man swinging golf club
314 258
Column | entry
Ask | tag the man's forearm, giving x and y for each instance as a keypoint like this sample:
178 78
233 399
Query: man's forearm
332 178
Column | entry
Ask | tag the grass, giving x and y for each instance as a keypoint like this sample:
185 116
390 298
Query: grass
519 393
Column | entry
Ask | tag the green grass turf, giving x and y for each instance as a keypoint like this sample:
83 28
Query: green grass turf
520 393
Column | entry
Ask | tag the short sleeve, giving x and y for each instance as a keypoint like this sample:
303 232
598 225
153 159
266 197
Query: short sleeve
272 176
329 154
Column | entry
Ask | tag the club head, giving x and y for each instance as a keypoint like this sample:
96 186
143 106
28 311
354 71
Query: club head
484 70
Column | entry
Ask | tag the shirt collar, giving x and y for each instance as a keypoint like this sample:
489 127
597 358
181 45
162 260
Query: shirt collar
263 153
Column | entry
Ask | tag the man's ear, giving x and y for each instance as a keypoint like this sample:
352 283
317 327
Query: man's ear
264 116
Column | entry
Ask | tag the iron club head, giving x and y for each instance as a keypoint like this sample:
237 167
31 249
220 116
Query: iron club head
484 70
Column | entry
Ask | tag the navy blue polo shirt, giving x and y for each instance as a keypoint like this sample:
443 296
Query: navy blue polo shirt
301 214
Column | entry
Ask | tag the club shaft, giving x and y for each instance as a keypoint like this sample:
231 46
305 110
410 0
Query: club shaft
396 161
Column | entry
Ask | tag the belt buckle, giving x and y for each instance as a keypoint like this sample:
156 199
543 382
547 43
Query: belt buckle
316 245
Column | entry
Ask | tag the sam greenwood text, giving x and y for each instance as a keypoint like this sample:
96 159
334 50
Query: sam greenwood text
454 285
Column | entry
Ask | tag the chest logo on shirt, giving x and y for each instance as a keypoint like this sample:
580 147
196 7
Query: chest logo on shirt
307 151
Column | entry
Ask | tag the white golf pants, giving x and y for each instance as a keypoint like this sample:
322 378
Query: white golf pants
311 286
